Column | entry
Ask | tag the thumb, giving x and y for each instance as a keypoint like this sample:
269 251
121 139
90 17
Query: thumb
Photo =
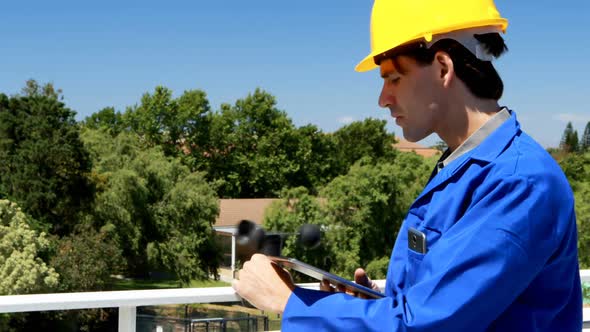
361 278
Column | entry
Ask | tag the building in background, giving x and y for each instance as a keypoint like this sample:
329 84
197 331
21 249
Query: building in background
231 212
405 146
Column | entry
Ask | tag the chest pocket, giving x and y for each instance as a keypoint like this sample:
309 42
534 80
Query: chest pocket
415 267
429 224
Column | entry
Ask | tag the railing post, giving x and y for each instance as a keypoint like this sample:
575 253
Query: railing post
127 318
233 256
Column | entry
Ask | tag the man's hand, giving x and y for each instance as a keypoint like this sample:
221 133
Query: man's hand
264 284
360 277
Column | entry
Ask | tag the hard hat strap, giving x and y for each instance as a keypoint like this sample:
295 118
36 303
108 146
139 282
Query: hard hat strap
465 37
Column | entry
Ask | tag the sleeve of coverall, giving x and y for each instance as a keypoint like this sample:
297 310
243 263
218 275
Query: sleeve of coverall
489 256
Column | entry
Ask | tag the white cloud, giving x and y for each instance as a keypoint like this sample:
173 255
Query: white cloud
346 119
572 117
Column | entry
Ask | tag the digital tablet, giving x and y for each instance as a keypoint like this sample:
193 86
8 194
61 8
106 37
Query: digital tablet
320 275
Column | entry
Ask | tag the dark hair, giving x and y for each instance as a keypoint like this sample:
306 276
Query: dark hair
480 77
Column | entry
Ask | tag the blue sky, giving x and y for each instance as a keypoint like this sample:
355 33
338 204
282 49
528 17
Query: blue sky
108 53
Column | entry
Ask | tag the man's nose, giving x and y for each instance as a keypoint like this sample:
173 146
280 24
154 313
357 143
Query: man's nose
387 97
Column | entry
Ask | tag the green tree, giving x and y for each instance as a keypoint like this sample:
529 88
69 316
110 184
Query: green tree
367 138
576 167
158 212
22 270
582 197
315 154
253 148
180 126
86 259
585 140
190 125
107 119
44 166
32 88
441 146
364 214
185 215
377 268
151 118
569 139
412 172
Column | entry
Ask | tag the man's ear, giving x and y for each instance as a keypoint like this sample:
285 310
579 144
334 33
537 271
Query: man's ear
445 68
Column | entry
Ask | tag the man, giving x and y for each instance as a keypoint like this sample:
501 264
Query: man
490 244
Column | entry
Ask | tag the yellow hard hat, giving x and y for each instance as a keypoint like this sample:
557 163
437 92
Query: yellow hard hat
397 22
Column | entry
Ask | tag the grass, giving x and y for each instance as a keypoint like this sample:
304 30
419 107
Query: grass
134 284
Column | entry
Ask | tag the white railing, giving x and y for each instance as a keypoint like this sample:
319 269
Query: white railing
128 301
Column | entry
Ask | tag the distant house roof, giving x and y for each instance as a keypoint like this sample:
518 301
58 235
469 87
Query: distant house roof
232 211
405 146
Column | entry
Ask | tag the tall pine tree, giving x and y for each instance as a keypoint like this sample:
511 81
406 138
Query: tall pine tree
569 139
585 141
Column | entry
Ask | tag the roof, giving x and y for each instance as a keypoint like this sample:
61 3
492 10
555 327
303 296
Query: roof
232 211
406 146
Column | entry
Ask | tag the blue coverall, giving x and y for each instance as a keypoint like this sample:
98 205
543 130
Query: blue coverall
502 252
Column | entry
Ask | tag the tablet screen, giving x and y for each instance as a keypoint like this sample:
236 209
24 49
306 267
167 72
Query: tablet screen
320 275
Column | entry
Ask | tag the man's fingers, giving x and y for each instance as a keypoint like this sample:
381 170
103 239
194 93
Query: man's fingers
264 284
325 286
361 278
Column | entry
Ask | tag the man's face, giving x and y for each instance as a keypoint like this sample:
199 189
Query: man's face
413 97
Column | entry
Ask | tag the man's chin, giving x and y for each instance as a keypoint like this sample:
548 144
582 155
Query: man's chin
414 137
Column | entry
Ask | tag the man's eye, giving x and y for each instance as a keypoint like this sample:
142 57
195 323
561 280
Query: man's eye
394 80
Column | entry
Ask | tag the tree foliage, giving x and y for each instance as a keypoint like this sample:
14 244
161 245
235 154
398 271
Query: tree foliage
366 208
585 140
22 270
298 207
179 126
569 139
86 259
316 157
576 167
367 138
250 149
253 148
360 213
43 164
158 212
582 197
107 119
440 146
